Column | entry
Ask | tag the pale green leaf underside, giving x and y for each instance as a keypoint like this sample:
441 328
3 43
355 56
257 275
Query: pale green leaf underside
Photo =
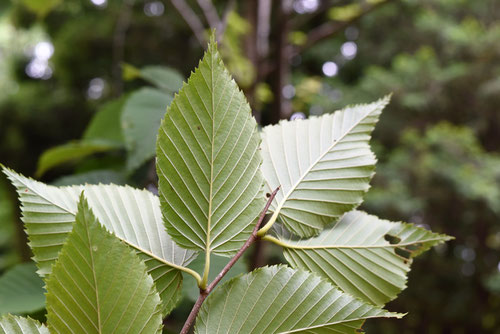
208 162
21 290
99 285
355 255
323 165
133 215
10 324
280 299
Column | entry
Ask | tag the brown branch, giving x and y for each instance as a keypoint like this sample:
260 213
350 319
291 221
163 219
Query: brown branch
329 29
299 21
118 51
191 19
204 293
210 13
225 17
263 28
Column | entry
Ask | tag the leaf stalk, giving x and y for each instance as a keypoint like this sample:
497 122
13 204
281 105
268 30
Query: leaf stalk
269 224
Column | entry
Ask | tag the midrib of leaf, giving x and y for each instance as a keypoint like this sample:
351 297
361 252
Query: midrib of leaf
173 265
301 178
206 270
388 245
98 304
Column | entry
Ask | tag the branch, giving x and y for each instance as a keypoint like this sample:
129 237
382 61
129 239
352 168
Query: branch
119 37
210 13
191 19
225 17
329 29
299 21
263 28
204 293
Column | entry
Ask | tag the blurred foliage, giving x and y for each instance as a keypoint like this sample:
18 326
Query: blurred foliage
447 181
21 290
8 247
437 141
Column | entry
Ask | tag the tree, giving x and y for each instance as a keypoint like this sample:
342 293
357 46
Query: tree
94 244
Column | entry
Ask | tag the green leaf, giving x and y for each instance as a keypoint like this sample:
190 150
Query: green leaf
71 152
41 8
363 255
163 77
21 290
208 162
106 123
10 324
133 215
280 299
345 13
141 118
323 165
99 285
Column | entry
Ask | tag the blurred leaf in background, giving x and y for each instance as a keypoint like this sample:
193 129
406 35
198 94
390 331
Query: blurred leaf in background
21 290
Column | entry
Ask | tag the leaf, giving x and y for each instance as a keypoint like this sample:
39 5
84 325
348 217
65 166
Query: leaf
11 324
41 8
280 299
106 123
323 165
71 152
141 118
21 290
356 255
163 77
133 215
190 288
99 285
208 162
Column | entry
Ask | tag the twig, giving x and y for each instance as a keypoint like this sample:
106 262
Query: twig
119 36
204 293
225 17
331 28
210 13
191 19
263 28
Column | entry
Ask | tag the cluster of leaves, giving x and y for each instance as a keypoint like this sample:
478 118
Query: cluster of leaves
92 243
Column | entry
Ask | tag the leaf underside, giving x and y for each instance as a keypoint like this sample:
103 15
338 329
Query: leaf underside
208 162
99 285
131 214
280 299
355 255
323 165
11 324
